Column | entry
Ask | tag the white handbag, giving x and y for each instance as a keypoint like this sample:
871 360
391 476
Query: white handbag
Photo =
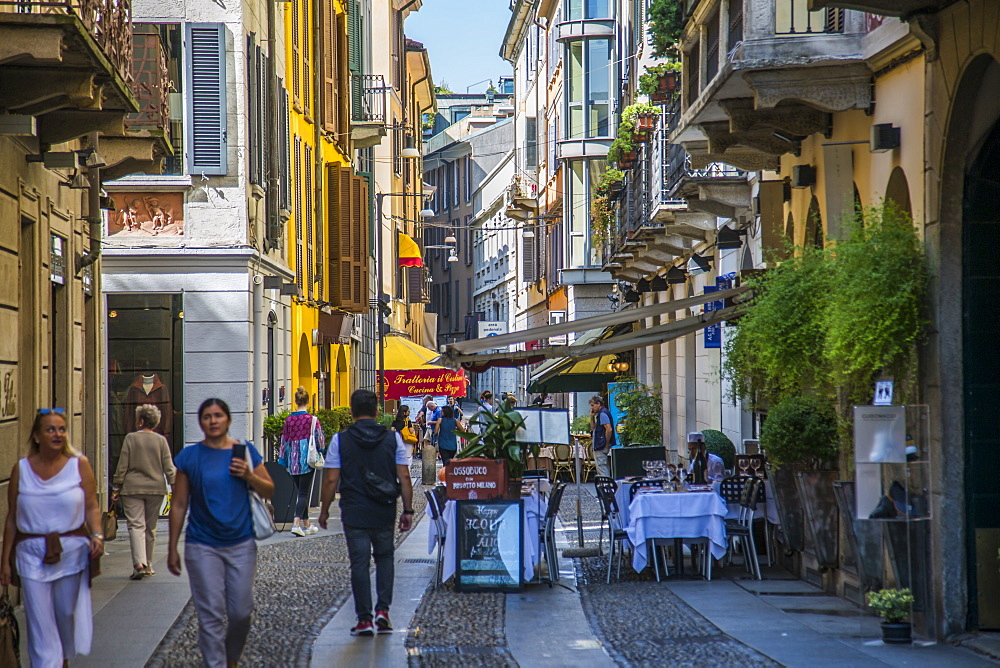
313 458
263 523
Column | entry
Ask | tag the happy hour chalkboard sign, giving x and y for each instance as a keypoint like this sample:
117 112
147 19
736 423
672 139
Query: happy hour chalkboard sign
489 545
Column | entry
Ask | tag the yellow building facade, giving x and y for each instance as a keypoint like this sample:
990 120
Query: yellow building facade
317 89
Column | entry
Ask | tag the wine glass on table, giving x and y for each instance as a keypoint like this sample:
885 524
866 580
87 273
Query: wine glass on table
744 465
646 466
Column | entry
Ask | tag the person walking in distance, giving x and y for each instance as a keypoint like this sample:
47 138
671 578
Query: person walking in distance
220 552
370 465
145 468
52 494
447 439
301 427
603 430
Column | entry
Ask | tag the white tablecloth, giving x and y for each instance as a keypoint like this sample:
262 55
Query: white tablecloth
533 510
676 515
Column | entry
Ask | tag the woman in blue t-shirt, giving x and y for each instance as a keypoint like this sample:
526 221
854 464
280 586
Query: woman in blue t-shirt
445 430
219 552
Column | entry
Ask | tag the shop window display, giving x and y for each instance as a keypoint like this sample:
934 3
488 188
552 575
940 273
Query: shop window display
145 366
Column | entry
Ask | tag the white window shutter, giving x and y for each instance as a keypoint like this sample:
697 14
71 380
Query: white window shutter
206 93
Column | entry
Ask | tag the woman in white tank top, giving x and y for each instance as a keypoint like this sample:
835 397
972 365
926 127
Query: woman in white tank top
52 491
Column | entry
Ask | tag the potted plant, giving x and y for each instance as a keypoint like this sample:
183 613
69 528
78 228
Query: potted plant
800 437
639 119
498 441
640 430
893 606
661 81
622 150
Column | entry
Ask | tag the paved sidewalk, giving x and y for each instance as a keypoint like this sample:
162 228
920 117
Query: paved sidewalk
796 624
413 571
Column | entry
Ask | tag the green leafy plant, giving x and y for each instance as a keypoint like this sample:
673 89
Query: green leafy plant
580 425
666 24
892 605
385 419
776 349
649 80
642 410
498 439
801 430
624 142
872 332
274 424
719 444
334 420
602 212
817 325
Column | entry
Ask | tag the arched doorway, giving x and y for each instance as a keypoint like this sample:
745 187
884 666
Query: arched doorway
304 372
898 191
814 226
968 377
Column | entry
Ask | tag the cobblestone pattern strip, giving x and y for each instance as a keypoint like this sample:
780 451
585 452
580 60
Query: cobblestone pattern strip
300 586
639 621
453 628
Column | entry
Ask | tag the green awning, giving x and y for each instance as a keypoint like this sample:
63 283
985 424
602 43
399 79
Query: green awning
564 374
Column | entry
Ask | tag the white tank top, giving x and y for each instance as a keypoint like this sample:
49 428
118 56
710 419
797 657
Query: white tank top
47 506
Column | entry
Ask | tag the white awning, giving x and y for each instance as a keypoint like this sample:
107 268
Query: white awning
454 351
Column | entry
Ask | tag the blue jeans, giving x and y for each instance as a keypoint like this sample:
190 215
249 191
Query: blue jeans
362 544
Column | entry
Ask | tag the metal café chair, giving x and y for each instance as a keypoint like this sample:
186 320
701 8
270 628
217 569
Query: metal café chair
616 533
606 480
643 484
564 461
548 532
742 528
437 515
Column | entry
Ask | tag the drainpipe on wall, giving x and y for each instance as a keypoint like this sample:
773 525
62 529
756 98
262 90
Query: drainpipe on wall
318 86
94 217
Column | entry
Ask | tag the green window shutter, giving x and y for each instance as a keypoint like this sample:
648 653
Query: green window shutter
206 85
355 56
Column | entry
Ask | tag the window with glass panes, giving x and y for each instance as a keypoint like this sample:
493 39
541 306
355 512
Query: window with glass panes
583 176
588 91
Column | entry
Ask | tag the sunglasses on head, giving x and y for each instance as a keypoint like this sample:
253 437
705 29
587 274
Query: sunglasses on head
50 411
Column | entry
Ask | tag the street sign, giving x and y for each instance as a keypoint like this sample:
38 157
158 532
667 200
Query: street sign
489 328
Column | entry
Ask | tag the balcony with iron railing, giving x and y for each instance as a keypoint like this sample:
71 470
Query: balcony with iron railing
368 109
761 75
653 221
146 139
63 56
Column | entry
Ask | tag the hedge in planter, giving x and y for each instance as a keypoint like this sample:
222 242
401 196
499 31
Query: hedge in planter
801 430
719 445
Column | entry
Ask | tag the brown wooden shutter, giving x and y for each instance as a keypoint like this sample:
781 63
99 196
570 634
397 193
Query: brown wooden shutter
347 213
330 59
343 82
416 285
307 65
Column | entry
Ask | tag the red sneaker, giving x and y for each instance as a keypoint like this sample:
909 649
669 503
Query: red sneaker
382 621
363 628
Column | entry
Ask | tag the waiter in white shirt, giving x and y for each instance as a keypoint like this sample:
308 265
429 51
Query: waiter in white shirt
716 469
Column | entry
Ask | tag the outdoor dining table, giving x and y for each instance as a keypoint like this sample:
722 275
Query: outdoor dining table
533 512
675 515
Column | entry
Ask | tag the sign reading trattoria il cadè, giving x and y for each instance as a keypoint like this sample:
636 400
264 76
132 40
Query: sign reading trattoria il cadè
418 382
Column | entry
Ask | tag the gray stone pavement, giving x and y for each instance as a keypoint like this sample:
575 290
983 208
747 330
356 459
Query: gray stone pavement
582 621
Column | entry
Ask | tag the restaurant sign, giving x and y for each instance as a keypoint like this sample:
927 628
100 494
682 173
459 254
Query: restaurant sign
418 382
476 478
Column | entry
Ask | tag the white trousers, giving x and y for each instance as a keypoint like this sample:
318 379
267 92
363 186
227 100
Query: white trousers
60 621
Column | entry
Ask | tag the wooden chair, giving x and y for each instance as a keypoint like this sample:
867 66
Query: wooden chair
589 464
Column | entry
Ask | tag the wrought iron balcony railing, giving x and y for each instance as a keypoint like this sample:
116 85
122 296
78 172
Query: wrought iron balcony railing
150 83
109 22
368 99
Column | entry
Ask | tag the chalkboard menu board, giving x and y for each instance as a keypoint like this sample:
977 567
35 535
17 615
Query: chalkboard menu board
490 543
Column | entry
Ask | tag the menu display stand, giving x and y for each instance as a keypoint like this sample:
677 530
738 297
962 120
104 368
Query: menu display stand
490 545
892 488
